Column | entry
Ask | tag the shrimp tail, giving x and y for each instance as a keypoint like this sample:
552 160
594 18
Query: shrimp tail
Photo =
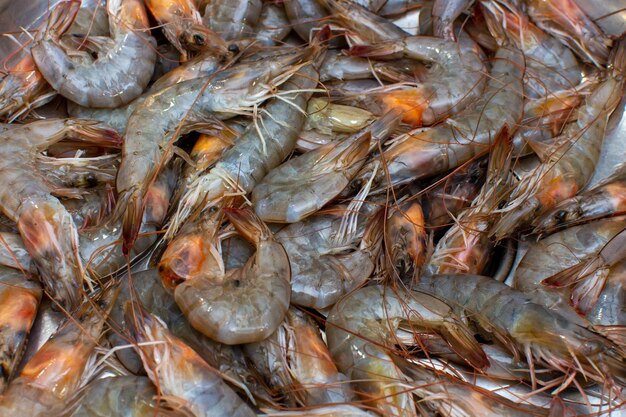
384 50
463 343
131 221
248 224
60 20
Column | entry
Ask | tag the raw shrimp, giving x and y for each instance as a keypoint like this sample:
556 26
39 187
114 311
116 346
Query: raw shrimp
56 371
296 362
118 396
327 261
445 12
165 115
457 81
568 164
426 152
568 23
232 19
255 152
120 73
550 65
243 305
466 247
47 229
360 331
303 185
527 328
604 200
182 26
179 372
327 117
19 299
405 241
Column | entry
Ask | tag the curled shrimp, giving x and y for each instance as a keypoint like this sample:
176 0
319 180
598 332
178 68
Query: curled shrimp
331 254
120 73
428 151
47 229
569 163
56 371
361 327
303 185
296 362
180 373
528 329
246 304
165 115
183 27
19 301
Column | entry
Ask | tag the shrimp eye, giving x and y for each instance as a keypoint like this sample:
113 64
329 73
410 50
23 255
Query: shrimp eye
198 40
213 209
233 48
560 216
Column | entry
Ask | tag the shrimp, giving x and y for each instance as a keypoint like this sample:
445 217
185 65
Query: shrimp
263 146
19 300
604 200
326 261
564 20
243 305
550 65
146 287
457 81
445 13
405 241
165 115
569 164
118 396
466 248
47 229
183 28
120 73
526 328
360 329
56 371
232 19
295 361
179 371
426 152
303 185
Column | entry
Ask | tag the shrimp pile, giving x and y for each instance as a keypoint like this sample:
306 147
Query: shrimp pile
336 208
